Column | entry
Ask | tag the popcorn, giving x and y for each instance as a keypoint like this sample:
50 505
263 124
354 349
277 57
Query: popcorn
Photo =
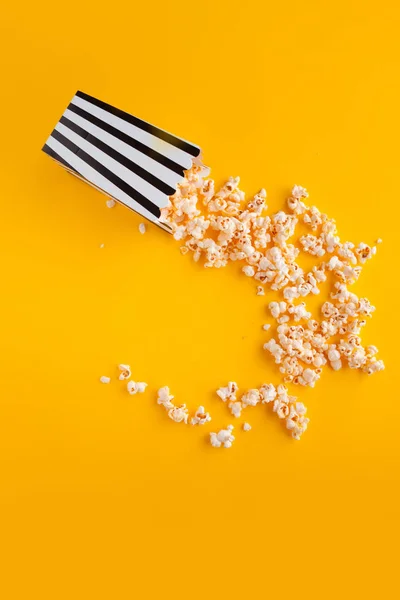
228 392
296 422
136 387
251 398
236 408
165 398
200 417
268 393
179 413
218 227
248 270
223 438
125 372
266 327
110 203
299 192
246 426
142 228
105 379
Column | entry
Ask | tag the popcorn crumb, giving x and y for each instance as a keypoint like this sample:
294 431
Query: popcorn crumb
266 327
105 379
142 228
110 203
379 241
201 417
246 426
223 438
125 372
260 291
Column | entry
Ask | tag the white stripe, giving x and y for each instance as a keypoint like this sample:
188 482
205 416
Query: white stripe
144 161
137 183
175 154
97 179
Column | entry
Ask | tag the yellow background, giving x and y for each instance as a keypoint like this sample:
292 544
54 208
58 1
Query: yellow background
101 495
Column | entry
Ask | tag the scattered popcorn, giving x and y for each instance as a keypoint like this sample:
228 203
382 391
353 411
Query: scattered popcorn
142 228
125 372
246 426
110 203
136 387
200 417
223 438
105 379
219 226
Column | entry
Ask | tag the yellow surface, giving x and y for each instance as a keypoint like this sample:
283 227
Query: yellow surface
101 495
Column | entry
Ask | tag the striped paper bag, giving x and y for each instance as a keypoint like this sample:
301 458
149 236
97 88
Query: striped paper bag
130 160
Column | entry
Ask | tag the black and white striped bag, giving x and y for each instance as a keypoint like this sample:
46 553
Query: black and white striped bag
123 156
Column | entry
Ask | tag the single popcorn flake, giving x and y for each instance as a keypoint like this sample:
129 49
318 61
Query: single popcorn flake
296 422
125 372
266 327
246 426
248 270
110 203
236 408
268 393
142 228
299 192
379 241
223 438
179 413
251 398
228 392
105 379
136 387
165 398
260 290
201 417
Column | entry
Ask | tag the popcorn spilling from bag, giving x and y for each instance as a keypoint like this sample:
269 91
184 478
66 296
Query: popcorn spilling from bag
221 226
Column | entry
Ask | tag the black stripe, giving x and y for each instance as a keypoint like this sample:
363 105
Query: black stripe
117 181
160 158
56 157
163 135
154 181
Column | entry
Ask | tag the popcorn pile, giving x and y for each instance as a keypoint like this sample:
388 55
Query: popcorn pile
222 226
